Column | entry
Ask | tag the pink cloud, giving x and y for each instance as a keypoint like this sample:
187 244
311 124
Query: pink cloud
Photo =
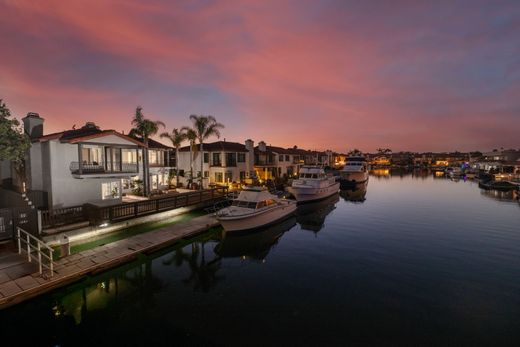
320 76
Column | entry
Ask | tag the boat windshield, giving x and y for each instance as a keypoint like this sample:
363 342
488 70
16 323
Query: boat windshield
265 203
308 175
245 204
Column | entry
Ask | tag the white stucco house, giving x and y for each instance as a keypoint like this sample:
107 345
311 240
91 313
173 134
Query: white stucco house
223 163
88 164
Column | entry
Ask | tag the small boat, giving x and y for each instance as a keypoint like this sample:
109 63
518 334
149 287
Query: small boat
354 172
498 185
313 184
254 208
454 172
470 174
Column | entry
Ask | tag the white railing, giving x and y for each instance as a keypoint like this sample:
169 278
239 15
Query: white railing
34 245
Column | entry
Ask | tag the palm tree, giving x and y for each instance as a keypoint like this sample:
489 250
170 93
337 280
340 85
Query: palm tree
176 137
190 136
144 128
205 127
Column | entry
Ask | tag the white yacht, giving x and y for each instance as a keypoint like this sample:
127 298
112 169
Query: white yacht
354 172
313 184
255 207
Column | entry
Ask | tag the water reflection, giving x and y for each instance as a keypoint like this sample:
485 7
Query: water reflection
380 173
355 195
137 283
511 195
311 216
203 275
253 245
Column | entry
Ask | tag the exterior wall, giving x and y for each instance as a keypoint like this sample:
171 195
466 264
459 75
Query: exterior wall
65 189
5 170
34 167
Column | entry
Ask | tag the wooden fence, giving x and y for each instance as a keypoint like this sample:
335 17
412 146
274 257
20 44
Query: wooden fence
62 216
98 215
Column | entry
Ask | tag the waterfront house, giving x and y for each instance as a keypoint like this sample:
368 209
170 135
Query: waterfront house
224 162
380 160
79 165
502 155
274 162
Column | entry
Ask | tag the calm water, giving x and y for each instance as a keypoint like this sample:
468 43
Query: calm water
413 259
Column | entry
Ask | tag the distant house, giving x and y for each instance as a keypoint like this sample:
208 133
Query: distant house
502 155
274 162
223 162
380 160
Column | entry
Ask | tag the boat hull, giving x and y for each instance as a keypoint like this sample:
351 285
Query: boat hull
257 220
308 194
351 179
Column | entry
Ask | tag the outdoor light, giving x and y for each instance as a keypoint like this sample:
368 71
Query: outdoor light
103 225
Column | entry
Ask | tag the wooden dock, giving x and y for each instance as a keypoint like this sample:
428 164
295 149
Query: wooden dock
21 285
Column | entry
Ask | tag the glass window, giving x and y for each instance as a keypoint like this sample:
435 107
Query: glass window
129 156
126 183
241 157
152 157
216 159
228 177
280 158
231 159
219 177
206 158
92 155
110 190
155 181
286 157
206 174
242 175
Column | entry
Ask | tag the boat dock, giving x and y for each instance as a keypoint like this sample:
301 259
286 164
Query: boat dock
20 280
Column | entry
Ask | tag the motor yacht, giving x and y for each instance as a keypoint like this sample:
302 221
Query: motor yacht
354 172
254 208
313 184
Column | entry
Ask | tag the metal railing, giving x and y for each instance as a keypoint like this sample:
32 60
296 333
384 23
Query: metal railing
34 245
90 168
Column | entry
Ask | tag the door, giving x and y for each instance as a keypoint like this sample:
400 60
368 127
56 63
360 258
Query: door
6 224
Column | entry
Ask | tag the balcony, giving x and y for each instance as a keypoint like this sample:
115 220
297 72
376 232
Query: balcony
95 169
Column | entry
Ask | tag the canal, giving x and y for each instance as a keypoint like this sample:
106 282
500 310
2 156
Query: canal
411 259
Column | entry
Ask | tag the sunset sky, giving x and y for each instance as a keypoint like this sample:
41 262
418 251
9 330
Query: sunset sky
408 75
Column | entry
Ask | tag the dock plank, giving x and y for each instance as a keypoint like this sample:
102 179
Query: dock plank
23 284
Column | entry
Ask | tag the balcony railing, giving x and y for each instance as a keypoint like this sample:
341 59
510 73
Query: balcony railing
91 168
